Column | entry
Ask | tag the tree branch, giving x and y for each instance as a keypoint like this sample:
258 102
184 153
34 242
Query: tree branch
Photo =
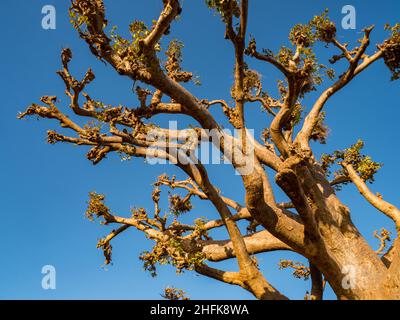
354 69
263 241
385 207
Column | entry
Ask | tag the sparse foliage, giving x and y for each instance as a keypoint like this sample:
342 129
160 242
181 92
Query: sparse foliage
313 222
171 293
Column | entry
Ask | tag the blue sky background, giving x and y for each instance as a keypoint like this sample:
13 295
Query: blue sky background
44 188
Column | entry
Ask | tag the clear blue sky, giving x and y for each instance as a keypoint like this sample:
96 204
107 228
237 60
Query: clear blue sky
44 188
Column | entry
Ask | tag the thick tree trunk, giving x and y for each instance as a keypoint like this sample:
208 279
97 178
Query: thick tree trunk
346 260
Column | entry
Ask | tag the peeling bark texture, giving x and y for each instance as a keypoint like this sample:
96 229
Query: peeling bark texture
312 222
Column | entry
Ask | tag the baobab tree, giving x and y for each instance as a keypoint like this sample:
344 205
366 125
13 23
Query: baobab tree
313 223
